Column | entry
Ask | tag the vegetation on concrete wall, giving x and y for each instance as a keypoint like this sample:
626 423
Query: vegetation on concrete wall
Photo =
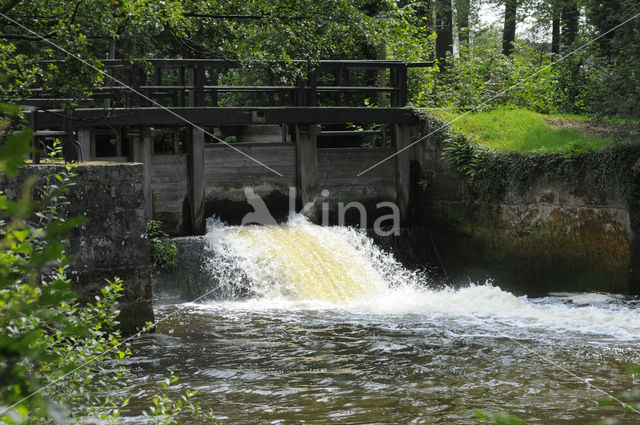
489 173
164 253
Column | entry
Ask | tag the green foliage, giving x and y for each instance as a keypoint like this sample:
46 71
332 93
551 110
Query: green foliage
45 335
519 130
481 76
164 253
255 32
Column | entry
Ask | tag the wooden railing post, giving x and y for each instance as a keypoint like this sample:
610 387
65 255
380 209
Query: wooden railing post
402 85
196 182
214 82
270 82
313 88
143 81
307 168
401 136
198 82
393 79
181 82
134 82
158 79
301 92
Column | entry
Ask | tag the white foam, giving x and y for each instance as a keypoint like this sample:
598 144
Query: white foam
301 266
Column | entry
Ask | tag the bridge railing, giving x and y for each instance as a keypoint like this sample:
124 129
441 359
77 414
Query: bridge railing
214 83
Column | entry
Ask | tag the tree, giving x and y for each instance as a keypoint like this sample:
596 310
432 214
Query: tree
251 31
424 13
570 15
555 26
509 32
444 30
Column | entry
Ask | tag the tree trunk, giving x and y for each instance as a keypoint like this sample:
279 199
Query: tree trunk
462 21
556 8
555 36
570 17
444 30
509 33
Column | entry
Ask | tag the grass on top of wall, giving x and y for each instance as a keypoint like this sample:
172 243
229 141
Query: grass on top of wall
519 130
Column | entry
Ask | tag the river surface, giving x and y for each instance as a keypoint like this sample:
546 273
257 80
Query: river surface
316 325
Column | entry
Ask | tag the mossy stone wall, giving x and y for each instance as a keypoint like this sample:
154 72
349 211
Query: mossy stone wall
113 240
568 224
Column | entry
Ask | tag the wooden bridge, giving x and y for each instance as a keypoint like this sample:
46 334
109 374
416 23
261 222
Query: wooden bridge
180 116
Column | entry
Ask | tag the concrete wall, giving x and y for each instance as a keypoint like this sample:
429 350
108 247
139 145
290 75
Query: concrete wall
554 234
113 240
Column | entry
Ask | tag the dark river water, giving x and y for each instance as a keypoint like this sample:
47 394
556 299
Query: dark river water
359 340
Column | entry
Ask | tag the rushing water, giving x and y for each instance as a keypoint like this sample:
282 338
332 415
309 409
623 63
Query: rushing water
320 326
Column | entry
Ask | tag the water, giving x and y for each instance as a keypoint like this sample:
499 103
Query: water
320 326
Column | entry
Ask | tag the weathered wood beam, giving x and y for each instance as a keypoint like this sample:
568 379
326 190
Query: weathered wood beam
196 178
84 144
229 116
307 167
401 136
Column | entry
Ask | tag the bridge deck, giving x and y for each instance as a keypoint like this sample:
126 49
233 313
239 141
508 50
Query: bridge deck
84 117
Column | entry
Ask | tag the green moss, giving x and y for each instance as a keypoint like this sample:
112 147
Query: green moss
519 130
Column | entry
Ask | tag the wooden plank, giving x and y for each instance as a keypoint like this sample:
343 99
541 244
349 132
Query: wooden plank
84 142
340 89
307 167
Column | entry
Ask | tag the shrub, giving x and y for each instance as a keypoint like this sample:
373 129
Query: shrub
164 253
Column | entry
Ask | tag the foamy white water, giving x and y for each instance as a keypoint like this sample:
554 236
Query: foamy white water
301 266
